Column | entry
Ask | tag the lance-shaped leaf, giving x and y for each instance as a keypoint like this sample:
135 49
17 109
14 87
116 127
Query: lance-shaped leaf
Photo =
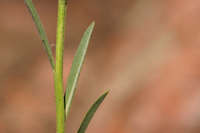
91 113
41 30
76 67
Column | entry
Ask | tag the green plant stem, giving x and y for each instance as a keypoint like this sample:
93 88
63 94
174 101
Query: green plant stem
58 74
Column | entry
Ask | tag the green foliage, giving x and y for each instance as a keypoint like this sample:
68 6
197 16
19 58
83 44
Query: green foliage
57 68
41 30
76 67
90 113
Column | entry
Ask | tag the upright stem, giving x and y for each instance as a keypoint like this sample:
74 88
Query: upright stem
58 73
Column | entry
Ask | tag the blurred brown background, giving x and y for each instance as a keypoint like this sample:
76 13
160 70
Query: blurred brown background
146 52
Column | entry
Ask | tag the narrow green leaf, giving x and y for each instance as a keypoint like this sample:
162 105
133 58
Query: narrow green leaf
76 67
41 30
91 113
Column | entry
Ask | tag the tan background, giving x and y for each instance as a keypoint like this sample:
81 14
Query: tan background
145 51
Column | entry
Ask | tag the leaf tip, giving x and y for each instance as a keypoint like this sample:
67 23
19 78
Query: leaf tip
92 24
106 93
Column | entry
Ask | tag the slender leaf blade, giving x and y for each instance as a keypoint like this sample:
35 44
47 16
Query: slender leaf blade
91 113
76 67
41 30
